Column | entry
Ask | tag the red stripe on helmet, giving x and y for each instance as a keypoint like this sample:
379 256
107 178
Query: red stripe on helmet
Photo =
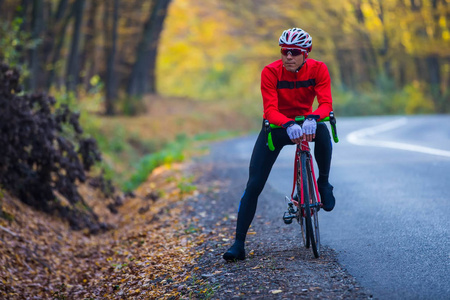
292 46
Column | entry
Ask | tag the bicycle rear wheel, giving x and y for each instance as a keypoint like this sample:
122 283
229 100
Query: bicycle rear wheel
314 209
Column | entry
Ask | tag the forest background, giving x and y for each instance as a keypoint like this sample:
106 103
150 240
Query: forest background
127 65
139 84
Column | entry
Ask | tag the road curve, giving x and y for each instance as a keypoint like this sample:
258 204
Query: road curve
391 223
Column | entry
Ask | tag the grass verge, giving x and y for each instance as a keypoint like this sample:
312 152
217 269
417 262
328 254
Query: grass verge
175 151
168 130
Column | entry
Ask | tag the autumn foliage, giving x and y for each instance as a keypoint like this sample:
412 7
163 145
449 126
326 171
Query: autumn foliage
43 154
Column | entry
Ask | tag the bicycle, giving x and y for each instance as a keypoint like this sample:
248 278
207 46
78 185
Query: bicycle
305 212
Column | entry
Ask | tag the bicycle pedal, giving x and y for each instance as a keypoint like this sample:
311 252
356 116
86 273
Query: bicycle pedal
287 218
287 221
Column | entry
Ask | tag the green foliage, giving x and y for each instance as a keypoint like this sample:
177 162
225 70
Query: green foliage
96 84
199 289
4 214
131 106
209 136
416 101
60 293
186 186
127 158
12 41
382 98
173 152
191 229
112 146
222 47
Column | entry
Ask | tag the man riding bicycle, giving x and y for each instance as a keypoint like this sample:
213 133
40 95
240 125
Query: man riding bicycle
288 88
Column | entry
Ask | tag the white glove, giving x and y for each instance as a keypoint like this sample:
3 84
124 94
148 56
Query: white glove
294 132
309 126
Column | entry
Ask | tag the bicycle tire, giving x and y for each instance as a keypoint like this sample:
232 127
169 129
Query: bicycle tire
306 197
314 210
301 209
301 222
306 194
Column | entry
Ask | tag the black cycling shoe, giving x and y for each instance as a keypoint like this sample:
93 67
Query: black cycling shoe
326 196
236 252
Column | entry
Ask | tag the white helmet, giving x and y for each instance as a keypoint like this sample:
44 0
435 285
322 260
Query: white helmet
296 37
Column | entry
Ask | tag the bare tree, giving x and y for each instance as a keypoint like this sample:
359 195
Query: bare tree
60 34
142 77
73 59
110 84
37 25
53 39
87 59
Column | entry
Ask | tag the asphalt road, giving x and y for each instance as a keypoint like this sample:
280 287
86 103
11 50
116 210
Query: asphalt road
391 223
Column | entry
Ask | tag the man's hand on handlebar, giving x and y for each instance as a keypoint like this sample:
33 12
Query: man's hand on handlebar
295 133
309 130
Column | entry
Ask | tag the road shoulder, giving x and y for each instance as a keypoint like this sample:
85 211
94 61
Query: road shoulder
276 265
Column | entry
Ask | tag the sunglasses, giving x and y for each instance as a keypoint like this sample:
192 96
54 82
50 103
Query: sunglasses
293 52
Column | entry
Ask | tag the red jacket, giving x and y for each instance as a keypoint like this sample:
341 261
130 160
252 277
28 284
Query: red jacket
287 94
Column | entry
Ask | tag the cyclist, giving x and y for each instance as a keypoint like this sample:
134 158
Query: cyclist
288 87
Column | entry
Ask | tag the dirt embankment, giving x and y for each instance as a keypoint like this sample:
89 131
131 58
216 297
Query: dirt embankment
143 256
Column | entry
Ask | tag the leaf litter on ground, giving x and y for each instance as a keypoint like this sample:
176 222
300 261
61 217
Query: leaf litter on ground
147 254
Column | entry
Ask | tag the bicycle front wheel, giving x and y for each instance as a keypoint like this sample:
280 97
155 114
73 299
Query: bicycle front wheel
301 222
309 206
301 217
314 233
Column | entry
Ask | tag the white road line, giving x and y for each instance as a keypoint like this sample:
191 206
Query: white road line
360 137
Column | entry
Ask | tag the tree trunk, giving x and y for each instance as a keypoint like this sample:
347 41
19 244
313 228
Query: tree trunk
416 5
345 67
22 13
52 33
72 61
369 70
110 59
61 10
434 80
60 37
142 77
435 62
152 51
385 50
37 25
87 60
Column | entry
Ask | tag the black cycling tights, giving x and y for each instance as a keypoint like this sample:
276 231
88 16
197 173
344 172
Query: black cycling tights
261 164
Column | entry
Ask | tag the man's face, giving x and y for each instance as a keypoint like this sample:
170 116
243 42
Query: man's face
291 61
